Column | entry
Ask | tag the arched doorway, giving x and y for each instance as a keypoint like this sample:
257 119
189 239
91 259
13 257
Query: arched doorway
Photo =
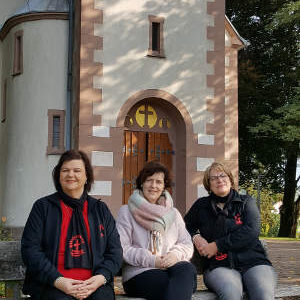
140 147
154 129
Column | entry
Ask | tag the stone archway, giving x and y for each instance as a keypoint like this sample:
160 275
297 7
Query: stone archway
154 128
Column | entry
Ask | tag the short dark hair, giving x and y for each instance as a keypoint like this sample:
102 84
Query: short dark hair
71 155
151 168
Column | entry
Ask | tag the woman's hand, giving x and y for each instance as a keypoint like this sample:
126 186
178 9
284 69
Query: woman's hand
209 250
68 286
90 286
199 242
158 264
168 260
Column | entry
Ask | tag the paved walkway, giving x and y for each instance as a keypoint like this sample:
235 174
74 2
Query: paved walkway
285 256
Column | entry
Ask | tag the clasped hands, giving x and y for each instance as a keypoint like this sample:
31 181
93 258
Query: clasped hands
204 248
79 289
166 261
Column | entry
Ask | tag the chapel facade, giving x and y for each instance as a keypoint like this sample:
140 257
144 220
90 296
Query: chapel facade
126 83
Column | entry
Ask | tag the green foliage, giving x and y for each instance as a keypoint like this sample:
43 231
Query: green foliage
285 127
289 13
2 289
270 219
5 235
268 77
269 106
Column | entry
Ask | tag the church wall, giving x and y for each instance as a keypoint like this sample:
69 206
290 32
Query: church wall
127 68
8 8
40 87
114 67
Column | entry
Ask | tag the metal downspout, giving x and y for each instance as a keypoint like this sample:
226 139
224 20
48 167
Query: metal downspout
69 83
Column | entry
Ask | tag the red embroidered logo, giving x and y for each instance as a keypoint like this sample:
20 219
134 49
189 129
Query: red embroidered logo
238 220
75 245
220 256
101 229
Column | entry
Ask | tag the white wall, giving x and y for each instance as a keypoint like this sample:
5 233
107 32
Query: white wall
42 86
127 69
8 8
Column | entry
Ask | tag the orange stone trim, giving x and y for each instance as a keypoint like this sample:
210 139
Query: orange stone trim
217 81
15 20
235 40
231 105
88 69
186 143
155 93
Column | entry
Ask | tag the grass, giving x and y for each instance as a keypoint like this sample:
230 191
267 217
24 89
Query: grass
280 238
2 289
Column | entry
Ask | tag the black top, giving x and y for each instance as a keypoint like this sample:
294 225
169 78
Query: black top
235 229
40 242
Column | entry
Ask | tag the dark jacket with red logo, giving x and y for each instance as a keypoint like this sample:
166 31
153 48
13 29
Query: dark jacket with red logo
40 242
235 231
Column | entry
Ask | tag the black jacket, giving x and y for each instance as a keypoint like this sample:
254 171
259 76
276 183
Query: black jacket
237 236
40 242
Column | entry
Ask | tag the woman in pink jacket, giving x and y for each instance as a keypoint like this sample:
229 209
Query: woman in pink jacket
156 246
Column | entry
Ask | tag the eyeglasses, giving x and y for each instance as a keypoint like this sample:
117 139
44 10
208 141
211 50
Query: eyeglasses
216 177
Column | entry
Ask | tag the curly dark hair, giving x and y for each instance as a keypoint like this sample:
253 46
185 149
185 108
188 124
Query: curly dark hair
151 168
71 155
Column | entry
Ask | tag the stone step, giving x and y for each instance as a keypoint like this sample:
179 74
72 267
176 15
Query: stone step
282 291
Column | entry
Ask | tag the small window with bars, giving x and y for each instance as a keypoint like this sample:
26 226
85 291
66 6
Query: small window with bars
156 38
56 131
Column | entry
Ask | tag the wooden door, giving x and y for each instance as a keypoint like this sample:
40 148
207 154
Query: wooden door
140 147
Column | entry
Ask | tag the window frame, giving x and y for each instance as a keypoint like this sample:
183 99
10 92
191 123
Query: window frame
3 101
18 53
52 113
160 52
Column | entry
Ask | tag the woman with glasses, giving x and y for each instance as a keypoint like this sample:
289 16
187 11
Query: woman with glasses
225 230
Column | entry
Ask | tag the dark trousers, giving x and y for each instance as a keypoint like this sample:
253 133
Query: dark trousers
105 292
176 282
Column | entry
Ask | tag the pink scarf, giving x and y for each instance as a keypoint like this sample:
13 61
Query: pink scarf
156 218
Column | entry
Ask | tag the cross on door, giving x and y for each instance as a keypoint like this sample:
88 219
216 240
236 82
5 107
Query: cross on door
146 116
146 112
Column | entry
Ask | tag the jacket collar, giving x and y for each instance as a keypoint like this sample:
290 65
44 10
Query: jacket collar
235 197
55 199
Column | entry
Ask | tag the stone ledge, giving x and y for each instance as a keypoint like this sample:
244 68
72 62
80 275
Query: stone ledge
282 291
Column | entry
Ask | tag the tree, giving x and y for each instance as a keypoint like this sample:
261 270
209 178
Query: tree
269 216
269 108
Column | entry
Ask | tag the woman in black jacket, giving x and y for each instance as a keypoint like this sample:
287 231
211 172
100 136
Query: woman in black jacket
70 244
225 229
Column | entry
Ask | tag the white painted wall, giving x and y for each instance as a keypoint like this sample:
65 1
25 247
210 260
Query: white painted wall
8 8
127 69
42 86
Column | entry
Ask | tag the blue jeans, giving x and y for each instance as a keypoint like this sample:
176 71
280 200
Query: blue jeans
229 284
